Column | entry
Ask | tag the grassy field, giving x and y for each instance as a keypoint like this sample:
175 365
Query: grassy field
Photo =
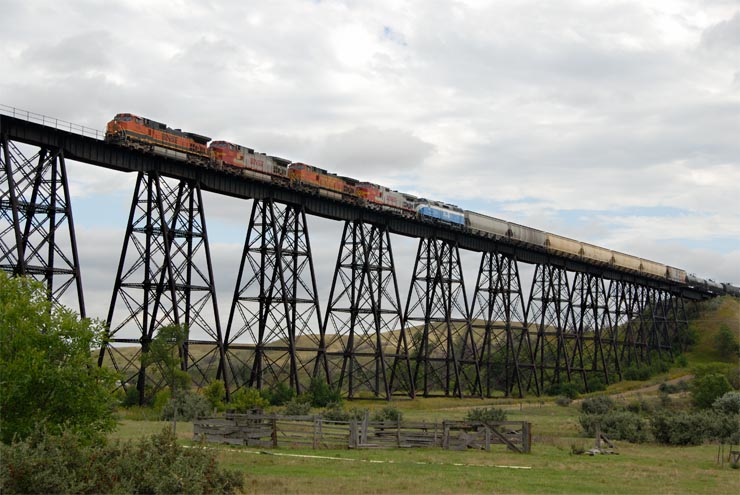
550 468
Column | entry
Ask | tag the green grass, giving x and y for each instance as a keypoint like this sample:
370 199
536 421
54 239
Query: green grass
637 469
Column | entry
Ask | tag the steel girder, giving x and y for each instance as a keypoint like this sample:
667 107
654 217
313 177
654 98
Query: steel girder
437 318
274 332
499 320
164 277
364 345
35 205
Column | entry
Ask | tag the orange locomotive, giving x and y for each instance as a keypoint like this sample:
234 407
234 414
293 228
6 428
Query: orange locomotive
145 134
245 161
314 178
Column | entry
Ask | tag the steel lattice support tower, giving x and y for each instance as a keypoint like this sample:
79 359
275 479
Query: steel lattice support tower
558 348
627 316
164 277
593 320
34 208
499 320
364 345
192 270
273 335
144 287
437 318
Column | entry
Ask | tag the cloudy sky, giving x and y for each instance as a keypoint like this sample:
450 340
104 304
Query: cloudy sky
613 122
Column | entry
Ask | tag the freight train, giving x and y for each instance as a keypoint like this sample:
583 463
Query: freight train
154 137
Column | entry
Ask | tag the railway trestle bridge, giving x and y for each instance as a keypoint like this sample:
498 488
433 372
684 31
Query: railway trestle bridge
580 322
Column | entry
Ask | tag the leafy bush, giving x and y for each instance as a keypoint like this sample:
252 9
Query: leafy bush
563 401
65 464
279 395
246 399
674 388
596 383
47 371
617 425
567 389
486 415
322 394
681 428
725 343
600 404
635 372
708 388
639 406
388 413
295 407
188 406
215 394
729 403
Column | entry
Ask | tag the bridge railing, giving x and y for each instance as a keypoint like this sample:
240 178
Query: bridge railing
51 122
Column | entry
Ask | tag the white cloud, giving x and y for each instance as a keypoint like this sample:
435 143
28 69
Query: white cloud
614 121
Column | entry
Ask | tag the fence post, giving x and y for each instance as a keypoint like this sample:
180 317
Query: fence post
274 431
445 435
316 430
398 432
352 431
365 427
527 437
487 445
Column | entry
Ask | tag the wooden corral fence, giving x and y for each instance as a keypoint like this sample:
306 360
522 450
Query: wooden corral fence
266 431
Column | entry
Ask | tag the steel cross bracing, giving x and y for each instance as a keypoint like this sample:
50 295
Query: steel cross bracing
164 277
499 320
37 235
364 345
437 318
273 335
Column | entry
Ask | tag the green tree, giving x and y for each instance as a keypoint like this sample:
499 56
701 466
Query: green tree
708 388
725 343
165 353
48 377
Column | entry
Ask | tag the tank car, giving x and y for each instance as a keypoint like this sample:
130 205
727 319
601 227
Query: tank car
731 289
442 212
155 137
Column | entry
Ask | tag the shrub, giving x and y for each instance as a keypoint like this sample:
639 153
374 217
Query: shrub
215 393
335 412
246 399
617 425
388 413
674 388
601 404
596 383
322 394
279 395
47 371
563 401
188 405
295 407
486 415
65 464
681 428
567 389
635 372
708 388
640 406
725 343
729 403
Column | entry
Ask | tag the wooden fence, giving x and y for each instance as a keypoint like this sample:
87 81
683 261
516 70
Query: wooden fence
265 431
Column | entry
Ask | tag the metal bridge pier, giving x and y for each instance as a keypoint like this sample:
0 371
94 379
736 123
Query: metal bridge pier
364 343
437 317
159 282
34 206
273 334
499 317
